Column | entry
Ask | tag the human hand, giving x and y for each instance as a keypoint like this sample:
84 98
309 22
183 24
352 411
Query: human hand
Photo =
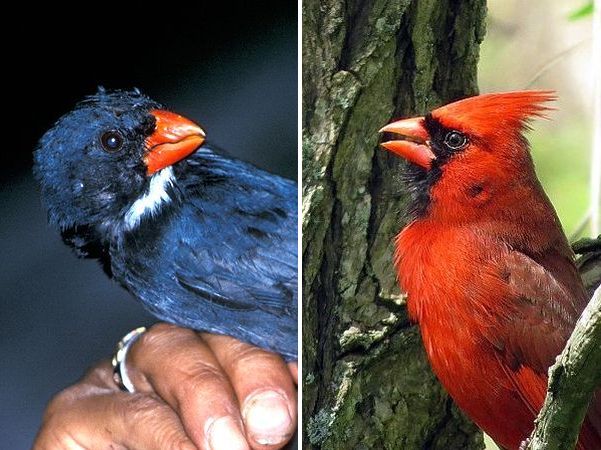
193 390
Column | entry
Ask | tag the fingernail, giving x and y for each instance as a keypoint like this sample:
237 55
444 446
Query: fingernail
267 418
224 434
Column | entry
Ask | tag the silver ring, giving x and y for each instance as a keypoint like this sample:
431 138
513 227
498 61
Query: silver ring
120 374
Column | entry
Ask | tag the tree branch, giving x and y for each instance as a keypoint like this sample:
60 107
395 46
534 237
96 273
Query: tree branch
572 382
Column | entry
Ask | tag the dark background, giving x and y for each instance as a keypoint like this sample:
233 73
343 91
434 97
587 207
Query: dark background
230 66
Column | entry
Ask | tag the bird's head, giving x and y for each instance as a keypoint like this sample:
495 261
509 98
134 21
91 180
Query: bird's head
462 155
110 158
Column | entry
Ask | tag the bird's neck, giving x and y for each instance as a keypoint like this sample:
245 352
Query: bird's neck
155 200
94 240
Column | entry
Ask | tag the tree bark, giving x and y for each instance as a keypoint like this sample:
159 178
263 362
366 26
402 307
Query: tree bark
367 383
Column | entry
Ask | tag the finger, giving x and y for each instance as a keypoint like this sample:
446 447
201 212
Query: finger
264 388
183 371
293 368
92 414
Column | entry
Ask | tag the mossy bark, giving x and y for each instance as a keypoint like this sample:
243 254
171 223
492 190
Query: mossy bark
367 383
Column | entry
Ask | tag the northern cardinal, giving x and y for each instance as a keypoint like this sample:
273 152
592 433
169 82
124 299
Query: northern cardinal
202 240
488 271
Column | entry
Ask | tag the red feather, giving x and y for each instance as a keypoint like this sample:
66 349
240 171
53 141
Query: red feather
489 273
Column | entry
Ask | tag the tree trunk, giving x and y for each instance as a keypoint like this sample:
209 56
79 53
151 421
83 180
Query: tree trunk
367 383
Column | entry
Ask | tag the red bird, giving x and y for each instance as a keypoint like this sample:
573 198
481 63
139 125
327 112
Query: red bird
488 271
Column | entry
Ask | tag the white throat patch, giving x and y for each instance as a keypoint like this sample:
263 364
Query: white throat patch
153 198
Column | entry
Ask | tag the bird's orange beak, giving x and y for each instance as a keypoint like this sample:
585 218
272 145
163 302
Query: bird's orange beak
174 138
414 144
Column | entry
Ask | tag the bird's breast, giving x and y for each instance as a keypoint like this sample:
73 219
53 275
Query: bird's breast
430 259
442 270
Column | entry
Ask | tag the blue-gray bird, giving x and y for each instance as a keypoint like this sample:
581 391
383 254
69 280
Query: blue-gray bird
203 240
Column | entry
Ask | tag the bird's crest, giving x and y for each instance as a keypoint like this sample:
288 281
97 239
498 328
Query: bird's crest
127 98
494 113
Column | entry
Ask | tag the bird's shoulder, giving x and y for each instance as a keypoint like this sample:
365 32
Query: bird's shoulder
236 245
209 172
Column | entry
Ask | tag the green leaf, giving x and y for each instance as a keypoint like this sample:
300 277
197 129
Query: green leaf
582 12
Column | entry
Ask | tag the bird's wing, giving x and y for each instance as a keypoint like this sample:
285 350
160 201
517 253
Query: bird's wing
545 299
250 279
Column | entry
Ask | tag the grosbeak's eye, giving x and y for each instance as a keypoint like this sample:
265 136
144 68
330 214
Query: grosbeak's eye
112 141
455 140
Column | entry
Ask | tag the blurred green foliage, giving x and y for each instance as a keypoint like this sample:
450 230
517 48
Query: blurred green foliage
561 155
582 12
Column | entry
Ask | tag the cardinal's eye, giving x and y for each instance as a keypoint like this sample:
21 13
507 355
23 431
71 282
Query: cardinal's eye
112 141
455 140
